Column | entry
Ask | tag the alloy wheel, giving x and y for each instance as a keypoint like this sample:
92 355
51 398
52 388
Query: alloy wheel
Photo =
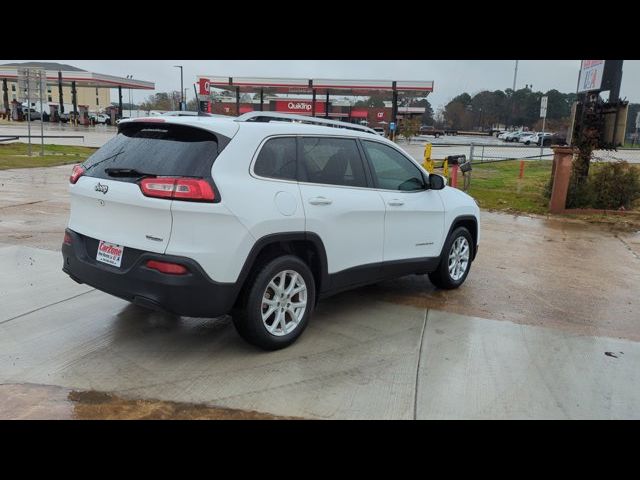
459 258
284 303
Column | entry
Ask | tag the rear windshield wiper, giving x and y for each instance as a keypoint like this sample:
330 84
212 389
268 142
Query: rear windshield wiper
125 172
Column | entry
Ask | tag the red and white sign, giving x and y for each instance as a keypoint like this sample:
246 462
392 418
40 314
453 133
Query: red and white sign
380 115
205 86
590 75
300 107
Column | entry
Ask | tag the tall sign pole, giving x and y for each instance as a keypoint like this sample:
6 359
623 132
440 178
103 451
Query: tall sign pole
42 77
513 89
29 108
543 114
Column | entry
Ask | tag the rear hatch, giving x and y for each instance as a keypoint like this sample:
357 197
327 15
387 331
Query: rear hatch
107 200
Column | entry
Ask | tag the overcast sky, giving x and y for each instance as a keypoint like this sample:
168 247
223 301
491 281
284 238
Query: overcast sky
451 77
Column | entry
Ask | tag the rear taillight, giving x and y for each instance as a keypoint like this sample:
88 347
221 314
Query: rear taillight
178 189
76 173
167 267
67 238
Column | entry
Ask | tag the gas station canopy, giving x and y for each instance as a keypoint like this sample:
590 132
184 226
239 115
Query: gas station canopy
315 86
319 85
69 74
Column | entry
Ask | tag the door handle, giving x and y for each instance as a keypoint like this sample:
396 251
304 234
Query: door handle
320 201
396 203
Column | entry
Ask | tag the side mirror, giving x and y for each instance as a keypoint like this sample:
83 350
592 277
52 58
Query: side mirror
436 182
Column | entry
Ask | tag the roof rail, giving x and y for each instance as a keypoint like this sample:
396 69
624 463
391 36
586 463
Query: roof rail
288 117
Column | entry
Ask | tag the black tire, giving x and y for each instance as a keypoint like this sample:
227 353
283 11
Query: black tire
441 278
248 318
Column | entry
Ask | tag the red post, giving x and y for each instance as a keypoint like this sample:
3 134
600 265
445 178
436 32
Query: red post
562 159
521 168
454 176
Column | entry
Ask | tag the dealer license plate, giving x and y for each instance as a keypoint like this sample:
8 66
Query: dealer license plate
110 253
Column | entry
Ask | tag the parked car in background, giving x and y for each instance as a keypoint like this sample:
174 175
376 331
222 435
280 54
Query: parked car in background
538 138
32 114
430 130
380 131
512 136
65 117
554 139
527 137
101 118
515 136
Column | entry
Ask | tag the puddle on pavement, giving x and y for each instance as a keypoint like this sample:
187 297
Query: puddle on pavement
47 402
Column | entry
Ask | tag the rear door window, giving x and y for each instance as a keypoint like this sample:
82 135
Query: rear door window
332 161
155 149
277 159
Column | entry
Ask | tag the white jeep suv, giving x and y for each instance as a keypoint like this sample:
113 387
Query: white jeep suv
259 216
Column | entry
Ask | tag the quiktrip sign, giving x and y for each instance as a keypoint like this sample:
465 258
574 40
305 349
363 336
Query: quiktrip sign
300 107
205 86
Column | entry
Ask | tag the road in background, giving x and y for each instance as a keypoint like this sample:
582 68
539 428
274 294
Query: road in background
485 148
95 136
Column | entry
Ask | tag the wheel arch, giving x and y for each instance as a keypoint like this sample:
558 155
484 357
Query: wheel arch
306 245
470 222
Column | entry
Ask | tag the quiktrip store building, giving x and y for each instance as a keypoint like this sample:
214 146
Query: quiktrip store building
311 97
302 106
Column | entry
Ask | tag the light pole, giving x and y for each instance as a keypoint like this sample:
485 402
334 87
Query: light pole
181 86
513 90
130 114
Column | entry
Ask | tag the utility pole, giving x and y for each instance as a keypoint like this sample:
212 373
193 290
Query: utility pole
130 112
513 89
181 87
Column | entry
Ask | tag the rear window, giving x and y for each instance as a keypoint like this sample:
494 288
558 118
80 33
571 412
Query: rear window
277 159
155 149
332 161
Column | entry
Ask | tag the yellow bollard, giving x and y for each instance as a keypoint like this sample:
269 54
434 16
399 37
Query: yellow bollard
428 163
445 168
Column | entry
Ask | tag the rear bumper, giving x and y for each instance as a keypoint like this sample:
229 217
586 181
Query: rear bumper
193 294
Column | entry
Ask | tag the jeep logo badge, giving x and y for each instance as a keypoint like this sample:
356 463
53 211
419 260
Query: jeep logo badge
101 188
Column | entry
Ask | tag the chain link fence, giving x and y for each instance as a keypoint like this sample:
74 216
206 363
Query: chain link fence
483 152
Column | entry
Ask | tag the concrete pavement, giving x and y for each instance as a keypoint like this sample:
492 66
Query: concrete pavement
546 326
360 357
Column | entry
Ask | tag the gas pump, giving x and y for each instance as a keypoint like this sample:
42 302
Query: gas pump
54 116
83 114
112 114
